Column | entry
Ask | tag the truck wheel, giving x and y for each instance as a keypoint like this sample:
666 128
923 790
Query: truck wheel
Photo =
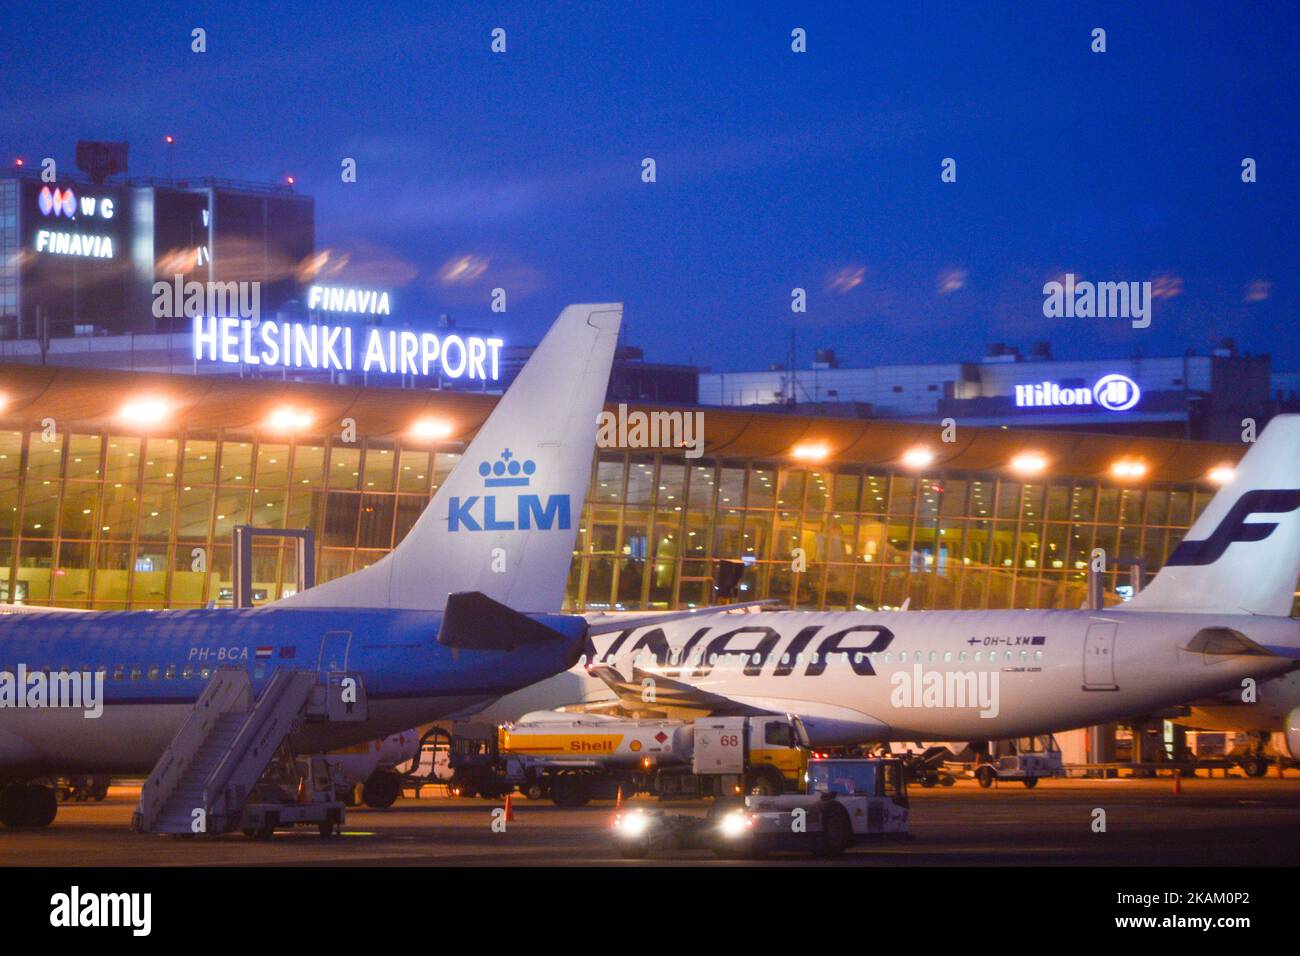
985 777
927 782
634 851
570 790
1254 766
1030 782
837 832
326 830
534 791
381 790
762 783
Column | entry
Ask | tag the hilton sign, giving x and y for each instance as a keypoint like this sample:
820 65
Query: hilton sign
1115 393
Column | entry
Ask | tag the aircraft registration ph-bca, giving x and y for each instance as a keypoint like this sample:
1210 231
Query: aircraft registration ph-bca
429 628
1216 615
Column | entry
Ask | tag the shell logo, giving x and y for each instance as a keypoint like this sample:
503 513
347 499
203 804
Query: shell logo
634 746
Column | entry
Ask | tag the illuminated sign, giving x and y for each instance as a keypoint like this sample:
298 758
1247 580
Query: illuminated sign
1115 393
327 298
74 244
64 202
235 341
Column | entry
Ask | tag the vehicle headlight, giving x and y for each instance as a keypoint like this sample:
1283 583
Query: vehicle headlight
632 825
735 824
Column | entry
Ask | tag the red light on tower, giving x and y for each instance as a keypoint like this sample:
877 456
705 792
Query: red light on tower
169 139
289 179
18 161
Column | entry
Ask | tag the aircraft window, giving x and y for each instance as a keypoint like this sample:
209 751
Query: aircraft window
1024 656
1008 655
962 656
813 657
947 655
135 672
205 673
758 658
170 672
675 656
187 671
933 655
118 671
887 659
713 659
1038 655
153 671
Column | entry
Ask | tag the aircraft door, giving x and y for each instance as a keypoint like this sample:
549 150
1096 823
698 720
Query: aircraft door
334 648
1099 656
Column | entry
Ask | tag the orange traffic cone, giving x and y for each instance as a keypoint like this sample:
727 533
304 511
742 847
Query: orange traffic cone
302 790
1178 781
618 800
510 810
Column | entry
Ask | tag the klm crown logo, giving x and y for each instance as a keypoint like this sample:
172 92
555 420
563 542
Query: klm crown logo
480 512
507 471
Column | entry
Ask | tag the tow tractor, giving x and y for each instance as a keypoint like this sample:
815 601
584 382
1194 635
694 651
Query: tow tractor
1025 759
848 799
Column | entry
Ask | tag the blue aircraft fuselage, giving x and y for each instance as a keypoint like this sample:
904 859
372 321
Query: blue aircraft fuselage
157 663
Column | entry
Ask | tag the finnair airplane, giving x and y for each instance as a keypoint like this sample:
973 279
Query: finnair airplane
1215 615
498 534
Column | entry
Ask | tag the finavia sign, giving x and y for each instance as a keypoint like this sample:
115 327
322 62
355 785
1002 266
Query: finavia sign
1115 393
235 341
327 298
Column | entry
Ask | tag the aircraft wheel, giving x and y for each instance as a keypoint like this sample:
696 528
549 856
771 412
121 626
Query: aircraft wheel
928 782
1030 782
1254 766
381 790
985 777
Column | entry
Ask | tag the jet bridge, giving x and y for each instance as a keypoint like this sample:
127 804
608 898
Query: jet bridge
204 780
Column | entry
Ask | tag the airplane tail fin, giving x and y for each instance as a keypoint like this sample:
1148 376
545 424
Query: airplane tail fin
1243 553
505 520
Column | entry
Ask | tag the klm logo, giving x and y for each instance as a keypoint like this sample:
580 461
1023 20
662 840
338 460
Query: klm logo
490 512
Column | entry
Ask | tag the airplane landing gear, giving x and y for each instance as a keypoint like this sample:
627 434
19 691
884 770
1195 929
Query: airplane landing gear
27 805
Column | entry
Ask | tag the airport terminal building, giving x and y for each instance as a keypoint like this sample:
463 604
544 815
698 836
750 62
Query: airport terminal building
122 490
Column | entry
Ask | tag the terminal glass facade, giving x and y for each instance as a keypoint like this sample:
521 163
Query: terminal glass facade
112 521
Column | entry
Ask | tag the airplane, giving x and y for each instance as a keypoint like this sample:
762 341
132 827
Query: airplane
437 625
1216 614
1271 712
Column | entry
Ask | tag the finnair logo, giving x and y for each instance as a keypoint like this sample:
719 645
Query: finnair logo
1115 393
480 512
1235 528
64 690
946 689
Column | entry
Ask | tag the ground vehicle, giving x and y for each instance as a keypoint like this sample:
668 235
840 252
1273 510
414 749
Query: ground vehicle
572 757
307 796
848 798
1025 759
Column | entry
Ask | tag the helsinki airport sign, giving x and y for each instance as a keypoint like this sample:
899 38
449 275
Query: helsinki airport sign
240 341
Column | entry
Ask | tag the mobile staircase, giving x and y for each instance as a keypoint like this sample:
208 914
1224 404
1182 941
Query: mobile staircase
204 780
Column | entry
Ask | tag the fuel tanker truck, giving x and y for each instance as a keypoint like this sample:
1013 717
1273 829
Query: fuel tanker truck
574 757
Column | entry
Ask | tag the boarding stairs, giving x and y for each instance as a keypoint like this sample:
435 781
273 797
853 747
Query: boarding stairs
219 754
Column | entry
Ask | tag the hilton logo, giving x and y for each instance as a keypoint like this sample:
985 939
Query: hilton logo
508 472
1115 393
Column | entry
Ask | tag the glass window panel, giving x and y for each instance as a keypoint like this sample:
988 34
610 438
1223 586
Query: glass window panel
83 456
731 487
333 563
409 508
1157 506
762 491
952 502
117 516
44 458
1131 505
846 492
232 509
1058 501
443 464
188 585
703 482
236 463
8 511
122 459
11 450
340 527
39 510
1008 499
609 481
149 580
112 575
1108 505
199 462
1032 502
272 466
157 504
672 480
819 492
790 491
33 572
269 507
381 460
640 481
194 514
413 471
1180 508
901 495
376 526
72 575
160 458
756 535
1083 502
308 466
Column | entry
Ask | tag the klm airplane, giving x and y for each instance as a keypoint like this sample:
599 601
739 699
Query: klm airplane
449 620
